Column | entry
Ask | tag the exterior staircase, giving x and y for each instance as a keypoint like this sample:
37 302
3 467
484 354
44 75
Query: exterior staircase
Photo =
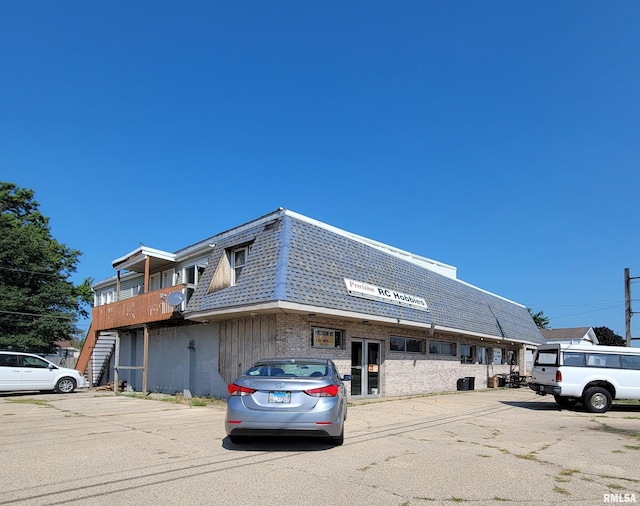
101 356
127 314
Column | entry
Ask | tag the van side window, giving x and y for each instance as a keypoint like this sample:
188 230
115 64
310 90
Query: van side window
34 362
8 360
574 359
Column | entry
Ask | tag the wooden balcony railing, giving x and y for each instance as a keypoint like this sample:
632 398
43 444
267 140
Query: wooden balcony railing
135 311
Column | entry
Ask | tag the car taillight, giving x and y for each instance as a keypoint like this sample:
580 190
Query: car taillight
558 376
234 389
328 391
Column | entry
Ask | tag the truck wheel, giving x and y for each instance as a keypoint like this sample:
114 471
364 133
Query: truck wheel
565 402
597 400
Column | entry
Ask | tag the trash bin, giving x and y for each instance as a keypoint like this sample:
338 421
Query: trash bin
463 384
471 383
502 381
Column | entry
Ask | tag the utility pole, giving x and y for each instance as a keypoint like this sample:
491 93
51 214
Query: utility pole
628 313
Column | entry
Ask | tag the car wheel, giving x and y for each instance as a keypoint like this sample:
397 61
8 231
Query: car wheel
338 440
565 402
65 385
238 440
597 400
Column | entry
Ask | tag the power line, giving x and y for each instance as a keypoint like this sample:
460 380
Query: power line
587 312
39 315
15 269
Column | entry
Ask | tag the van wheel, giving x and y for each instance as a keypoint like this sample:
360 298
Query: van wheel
597 400
65 385
565 402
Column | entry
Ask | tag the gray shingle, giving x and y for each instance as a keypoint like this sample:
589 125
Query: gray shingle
301 261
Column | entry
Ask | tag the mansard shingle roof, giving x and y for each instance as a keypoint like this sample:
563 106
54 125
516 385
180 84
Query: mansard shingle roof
300 261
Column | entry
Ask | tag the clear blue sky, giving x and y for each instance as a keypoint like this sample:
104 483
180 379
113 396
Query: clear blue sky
501 137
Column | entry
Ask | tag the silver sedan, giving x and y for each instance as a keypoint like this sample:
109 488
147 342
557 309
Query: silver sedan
288 397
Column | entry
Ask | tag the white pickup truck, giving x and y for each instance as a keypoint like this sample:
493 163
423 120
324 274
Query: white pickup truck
591 374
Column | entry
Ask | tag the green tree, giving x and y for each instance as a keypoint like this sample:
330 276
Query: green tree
38 303
539 318
608 337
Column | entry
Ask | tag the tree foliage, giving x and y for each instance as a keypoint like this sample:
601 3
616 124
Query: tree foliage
607 337
38 303
541 321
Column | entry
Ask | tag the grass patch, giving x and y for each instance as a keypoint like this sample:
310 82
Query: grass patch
561 490
178 399
532 457
569 472
614 430
37 402
632 447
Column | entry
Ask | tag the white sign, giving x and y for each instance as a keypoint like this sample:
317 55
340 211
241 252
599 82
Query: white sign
367 291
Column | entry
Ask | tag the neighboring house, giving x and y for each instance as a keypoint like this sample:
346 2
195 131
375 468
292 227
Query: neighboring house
578 335
65 355
288 285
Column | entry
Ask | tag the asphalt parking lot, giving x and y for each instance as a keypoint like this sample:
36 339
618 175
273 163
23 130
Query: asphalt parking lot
482 447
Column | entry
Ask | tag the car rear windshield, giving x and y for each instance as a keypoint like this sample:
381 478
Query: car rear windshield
547 357
289 369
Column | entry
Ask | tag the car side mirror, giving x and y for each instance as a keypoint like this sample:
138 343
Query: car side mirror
347 377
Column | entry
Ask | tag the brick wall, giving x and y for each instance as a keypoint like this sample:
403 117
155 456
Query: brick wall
401 373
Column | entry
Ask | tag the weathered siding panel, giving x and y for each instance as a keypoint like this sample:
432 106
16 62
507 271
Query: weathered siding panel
244 341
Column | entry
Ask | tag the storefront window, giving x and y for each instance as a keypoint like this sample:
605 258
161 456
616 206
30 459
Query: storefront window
406 344
466 354
442 348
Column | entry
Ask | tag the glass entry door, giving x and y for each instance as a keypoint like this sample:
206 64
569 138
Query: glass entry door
365 368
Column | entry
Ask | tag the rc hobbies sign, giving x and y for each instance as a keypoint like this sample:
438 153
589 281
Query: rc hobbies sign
367 291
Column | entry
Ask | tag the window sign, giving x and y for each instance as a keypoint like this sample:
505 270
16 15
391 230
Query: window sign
326 338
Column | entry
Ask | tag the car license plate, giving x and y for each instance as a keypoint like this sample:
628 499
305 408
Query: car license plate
280 397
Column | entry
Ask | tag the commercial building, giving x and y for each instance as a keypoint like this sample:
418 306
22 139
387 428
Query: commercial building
287 285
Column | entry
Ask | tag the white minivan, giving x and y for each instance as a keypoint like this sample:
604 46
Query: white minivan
594 375
25 371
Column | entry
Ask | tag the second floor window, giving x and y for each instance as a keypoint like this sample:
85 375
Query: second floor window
238 261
